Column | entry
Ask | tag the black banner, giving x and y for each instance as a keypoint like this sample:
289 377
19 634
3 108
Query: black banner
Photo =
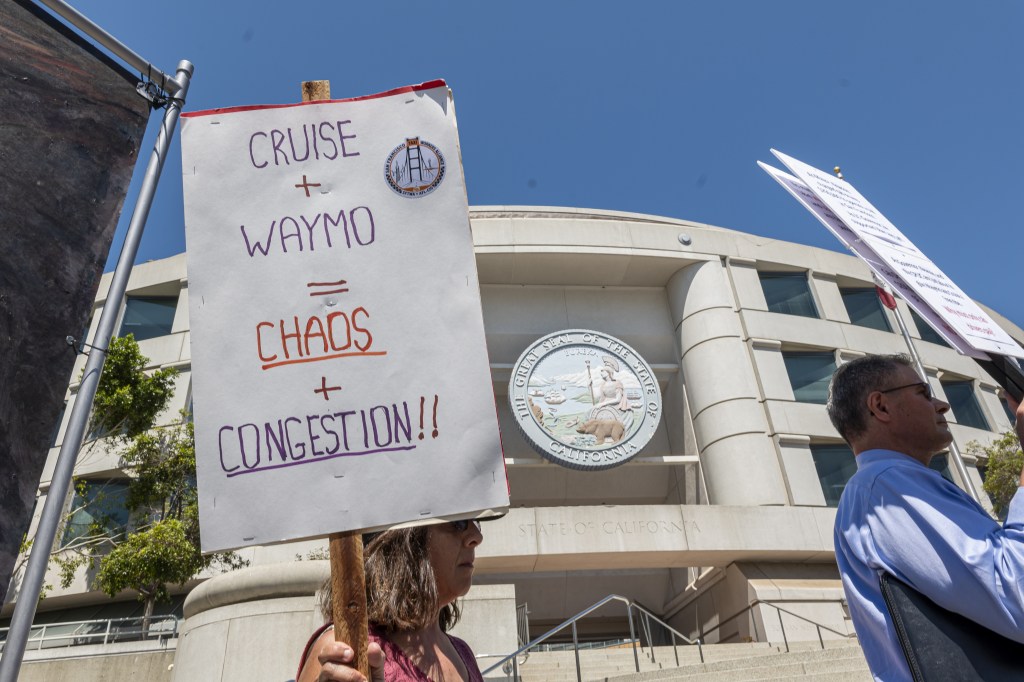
71 124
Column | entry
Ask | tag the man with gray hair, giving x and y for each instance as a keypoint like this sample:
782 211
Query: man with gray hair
898 516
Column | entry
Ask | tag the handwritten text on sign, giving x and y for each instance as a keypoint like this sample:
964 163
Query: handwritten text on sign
335 320
887 274
883 238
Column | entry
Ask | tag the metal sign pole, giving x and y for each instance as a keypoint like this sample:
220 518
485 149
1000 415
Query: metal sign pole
958 460
125 53
35 571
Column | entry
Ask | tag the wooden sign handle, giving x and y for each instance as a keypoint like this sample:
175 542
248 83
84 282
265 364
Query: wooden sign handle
348 582
348 596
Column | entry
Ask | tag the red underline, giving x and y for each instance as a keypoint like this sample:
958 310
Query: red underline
324 293
322 357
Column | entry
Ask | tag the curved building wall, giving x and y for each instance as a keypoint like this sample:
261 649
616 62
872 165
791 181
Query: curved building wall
726 503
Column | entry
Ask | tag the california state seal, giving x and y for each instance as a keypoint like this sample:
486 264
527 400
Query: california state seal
584 400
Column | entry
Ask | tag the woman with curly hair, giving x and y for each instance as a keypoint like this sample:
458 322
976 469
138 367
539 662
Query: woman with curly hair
413 577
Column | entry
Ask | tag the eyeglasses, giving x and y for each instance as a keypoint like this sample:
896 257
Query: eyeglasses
461 525
923 384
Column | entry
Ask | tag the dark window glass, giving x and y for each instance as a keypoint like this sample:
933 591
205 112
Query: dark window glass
98 508
788 292
940 463
966 410
1009 413
809 374
927 333
835 465
864 308
148 316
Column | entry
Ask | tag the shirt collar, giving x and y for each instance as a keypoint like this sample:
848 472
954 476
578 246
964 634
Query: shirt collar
880 455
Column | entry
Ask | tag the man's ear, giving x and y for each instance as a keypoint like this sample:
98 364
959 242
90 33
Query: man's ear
878 406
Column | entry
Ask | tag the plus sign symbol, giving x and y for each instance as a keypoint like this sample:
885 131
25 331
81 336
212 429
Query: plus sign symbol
306 184
325 389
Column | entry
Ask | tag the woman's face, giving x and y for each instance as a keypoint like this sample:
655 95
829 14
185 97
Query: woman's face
451 553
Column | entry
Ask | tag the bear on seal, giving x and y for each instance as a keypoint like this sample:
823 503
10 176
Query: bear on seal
603 429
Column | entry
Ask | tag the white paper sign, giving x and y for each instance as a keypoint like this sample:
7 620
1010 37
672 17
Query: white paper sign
911 266
340 374
843 233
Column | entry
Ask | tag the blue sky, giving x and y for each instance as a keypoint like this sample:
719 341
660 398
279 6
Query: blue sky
657 107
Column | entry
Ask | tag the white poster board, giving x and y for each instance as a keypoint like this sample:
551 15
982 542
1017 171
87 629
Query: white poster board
848 237
340 373
901 264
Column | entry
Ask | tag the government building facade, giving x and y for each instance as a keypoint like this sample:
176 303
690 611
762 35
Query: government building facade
720 525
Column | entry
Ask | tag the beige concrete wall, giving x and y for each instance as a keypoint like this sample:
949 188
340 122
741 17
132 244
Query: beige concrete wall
806 596
252 624
139 667
724 398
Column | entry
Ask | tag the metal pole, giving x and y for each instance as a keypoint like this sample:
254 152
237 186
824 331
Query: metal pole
632 636
83 23
35 571
576 650
783 628
958 460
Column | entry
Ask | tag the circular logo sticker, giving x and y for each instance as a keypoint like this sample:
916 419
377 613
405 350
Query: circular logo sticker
584 399
414 168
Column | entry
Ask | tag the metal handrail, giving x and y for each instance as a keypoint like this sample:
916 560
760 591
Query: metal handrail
646 616
779 610
106 629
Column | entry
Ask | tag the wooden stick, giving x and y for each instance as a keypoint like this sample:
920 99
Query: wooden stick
313 91
348 582
348 596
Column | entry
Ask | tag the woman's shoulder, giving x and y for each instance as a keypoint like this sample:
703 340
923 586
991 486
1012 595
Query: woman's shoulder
468 658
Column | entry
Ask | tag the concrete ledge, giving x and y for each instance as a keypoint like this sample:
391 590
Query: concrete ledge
654 536
273 581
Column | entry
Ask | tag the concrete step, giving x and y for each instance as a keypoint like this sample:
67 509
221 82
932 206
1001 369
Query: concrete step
748 662
847 660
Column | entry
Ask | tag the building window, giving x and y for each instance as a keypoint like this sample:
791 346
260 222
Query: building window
940 463
865 309
835 465
148 316
966 409
1010 414
788 292
927 333
809 374
98 510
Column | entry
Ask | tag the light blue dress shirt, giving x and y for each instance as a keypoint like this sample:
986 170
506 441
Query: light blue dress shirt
897 515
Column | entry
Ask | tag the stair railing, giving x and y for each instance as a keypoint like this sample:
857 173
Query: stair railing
645 617
779 611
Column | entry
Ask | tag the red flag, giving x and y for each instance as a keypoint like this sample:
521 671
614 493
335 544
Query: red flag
888 300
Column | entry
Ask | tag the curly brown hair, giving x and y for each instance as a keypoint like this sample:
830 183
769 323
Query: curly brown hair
401 590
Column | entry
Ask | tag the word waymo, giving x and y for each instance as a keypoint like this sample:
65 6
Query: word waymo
340 375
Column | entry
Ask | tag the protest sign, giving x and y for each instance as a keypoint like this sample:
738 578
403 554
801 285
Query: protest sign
340 374
848 237
867 231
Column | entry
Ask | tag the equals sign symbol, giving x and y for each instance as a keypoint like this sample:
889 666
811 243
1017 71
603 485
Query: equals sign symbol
326 288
